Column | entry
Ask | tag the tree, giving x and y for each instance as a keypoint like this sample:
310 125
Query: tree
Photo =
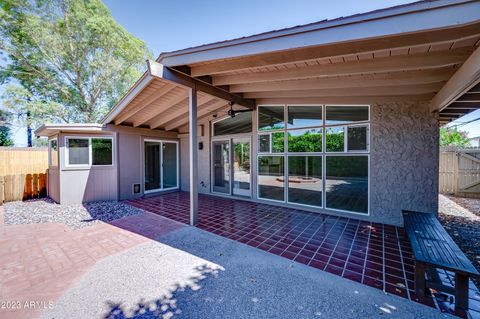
453 137
5 135
72 61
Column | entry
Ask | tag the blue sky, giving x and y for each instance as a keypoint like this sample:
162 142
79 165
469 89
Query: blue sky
178 24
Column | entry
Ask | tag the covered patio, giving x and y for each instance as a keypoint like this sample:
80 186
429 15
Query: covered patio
376 255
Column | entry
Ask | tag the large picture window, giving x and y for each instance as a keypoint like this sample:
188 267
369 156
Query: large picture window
89 151
314 155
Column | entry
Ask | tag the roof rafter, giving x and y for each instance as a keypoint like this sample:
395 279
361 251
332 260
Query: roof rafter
163 72
377 65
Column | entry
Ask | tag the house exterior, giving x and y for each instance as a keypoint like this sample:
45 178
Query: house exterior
338 116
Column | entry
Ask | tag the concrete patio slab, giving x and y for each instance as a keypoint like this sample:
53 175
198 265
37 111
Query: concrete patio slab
190 273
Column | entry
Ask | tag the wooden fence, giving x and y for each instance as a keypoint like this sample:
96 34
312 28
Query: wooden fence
23 173
460 172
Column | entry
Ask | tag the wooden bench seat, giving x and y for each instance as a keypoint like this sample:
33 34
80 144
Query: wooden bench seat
434 248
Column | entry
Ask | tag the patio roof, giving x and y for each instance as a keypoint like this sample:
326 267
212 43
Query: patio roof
403 53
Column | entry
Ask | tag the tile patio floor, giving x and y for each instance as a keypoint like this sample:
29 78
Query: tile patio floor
374 254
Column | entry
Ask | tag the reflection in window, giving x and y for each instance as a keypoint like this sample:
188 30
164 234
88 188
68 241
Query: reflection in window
357 138
309 140
78 151
278 142
335 139
305 180
345 114
347 183
271 118
304 116
264 143
101 151
271 177
241 123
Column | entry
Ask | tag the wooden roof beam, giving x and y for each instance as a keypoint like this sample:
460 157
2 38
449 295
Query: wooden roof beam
159 70
356 81
377 65
128 113
326 50
173 101
466 77
202 112
370 91
182 108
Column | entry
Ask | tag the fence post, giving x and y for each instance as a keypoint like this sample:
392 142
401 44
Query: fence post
2 189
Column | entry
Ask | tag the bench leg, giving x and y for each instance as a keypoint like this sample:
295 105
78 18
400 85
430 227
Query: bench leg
420 284
461 295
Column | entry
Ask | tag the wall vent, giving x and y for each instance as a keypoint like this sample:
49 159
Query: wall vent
136 188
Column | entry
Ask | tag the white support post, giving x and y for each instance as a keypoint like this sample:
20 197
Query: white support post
192 123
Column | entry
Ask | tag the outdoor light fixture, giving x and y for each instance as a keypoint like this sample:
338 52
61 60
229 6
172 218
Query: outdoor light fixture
232 112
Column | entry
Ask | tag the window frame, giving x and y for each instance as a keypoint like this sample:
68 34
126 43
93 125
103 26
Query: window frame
50 152
323 153
90 151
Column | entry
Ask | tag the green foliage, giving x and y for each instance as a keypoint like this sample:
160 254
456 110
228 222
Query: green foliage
308 142
70 58
453 137
335 141
5 134
278 144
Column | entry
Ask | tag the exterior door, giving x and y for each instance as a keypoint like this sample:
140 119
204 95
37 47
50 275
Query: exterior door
221 166
161 165
241 167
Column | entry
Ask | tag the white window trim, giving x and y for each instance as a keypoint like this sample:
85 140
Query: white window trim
90 159
323 152
50 152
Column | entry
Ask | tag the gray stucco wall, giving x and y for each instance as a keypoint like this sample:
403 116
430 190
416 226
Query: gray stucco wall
403 162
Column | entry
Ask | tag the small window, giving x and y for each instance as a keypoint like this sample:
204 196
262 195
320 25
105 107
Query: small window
241 123
78 151
271 118
345 114
89 151
101 151
53 152
304 116
357 138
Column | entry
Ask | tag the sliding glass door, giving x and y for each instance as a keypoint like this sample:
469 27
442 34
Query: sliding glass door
241 166
161 165
221 167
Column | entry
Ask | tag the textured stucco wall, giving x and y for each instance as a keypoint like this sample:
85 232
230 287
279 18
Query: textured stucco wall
403 161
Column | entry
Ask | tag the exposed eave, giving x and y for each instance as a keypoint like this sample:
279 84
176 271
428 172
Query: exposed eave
466 77
176 77
411 18
52 129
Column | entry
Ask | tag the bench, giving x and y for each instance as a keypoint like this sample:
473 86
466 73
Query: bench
434 248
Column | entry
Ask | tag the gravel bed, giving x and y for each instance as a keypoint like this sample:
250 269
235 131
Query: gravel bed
461 219
74 216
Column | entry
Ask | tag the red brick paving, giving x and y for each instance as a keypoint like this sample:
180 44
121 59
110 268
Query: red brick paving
39 262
